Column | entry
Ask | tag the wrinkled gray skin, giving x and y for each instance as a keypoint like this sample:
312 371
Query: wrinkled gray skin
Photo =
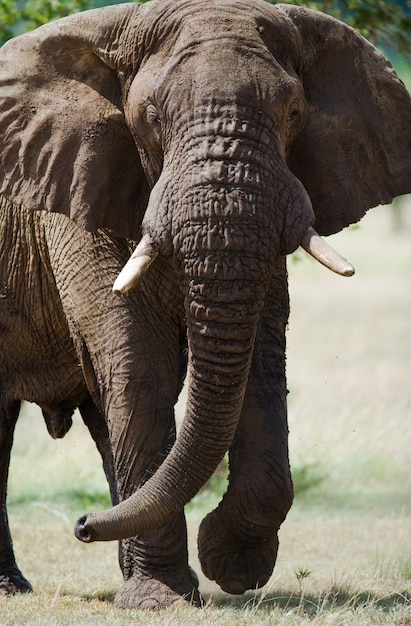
249 123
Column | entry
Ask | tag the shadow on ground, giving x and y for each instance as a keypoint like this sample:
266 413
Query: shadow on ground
310 604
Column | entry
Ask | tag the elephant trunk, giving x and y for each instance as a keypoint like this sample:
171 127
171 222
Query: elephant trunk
225 240
221 343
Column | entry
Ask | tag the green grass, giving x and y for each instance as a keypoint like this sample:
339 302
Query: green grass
349 357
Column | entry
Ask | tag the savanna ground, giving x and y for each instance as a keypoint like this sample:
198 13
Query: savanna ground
345 553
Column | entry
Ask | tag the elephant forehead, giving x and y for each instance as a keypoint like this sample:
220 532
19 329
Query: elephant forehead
217 42
233 66
173 16
222 70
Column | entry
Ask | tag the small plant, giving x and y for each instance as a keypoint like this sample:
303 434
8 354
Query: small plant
301 575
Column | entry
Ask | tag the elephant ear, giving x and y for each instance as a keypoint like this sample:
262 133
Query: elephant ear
65 145
355 150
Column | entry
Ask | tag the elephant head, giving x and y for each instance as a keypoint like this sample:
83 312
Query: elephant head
222 132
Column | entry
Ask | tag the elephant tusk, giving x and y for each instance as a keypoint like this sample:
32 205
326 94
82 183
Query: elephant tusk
136 266
323 253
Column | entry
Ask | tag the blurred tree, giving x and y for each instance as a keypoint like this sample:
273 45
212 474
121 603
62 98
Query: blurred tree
19 16
385 23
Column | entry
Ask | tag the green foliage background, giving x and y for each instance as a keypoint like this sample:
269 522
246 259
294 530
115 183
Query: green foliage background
384 22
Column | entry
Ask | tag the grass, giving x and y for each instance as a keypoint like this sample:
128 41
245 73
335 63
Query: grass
345 548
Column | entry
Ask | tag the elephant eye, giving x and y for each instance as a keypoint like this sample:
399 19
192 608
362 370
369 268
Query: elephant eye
152 115
293 112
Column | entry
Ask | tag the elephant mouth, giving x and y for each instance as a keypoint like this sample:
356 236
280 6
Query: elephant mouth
147 250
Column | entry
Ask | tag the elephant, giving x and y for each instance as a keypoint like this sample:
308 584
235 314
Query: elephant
159 162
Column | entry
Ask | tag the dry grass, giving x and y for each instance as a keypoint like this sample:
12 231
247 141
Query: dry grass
350 406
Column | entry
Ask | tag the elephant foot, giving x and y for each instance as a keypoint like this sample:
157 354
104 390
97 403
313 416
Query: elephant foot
12 581
237 561
144 592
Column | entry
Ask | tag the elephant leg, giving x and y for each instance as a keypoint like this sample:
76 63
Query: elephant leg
155 566
156 574
238 541
97 427
130 351
11 579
